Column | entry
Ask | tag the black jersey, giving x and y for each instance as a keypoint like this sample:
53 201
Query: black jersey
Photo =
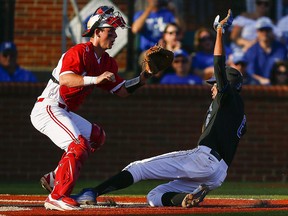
225 121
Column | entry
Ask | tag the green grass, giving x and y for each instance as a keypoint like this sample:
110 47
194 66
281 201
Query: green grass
252 190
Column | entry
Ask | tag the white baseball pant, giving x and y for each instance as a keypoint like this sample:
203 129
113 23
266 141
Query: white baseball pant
186 170
61 126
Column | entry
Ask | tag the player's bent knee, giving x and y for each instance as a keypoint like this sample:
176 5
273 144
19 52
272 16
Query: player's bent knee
135 169
154 198
97 137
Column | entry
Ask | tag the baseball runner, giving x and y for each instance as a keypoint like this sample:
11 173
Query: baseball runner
192 173
79 70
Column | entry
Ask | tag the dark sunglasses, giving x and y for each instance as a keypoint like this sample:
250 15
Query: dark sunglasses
172 32
283 73
204 39
183 61
265 29
8 52
243 64
265 3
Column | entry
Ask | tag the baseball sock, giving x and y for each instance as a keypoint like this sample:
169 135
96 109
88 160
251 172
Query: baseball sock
117 182
172 198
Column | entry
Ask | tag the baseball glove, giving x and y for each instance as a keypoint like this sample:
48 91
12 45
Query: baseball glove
156 59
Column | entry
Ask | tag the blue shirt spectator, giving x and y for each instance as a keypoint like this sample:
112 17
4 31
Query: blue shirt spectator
243 30
261 62
10 71
267 50
150 23
238 61
181 74
203 57
283 29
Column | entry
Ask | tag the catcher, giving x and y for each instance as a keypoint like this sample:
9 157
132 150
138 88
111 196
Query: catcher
79 70
192 173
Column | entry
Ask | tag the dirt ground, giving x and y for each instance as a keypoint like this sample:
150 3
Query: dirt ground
134 205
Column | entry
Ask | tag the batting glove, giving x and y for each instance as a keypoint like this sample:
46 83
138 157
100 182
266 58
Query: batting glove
225 23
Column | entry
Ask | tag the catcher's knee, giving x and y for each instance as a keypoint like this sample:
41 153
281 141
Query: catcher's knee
97 137
80 148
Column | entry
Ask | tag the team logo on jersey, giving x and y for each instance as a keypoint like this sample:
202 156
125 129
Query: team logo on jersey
208 115
241 129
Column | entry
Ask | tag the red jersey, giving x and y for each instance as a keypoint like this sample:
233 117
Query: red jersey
82 60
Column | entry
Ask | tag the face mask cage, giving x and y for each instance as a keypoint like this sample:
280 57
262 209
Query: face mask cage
105 17
116 20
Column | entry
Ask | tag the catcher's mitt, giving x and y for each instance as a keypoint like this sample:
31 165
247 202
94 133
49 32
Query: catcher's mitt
156 59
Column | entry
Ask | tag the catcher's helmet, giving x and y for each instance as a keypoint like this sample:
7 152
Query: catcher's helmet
234 77
104 17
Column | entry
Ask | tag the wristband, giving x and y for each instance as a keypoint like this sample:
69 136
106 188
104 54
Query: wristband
90 80
132 84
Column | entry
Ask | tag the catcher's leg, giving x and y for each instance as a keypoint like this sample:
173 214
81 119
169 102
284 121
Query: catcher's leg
97 137
69 167
47 181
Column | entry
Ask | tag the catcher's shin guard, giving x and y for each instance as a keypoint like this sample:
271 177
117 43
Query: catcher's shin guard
97 137
69 167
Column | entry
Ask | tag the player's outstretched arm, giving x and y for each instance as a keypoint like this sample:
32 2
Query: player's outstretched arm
156 59
220 28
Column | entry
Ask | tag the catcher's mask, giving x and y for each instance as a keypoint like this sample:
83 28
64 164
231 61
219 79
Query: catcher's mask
104 17
234 77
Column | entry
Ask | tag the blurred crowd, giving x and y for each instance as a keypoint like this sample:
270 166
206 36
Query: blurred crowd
256 45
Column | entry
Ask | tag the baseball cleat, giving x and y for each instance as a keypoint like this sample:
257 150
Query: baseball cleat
61 204
86 197
196 197
47 181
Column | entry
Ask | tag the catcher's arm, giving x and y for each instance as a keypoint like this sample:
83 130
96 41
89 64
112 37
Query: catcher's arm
133 84
156 59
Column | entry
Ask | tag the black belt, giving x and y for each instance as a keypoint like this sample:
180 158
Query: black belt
216 154
54 79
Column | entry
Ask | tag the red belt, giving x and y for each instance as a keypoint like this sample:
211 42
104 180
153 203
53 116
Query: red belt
63 106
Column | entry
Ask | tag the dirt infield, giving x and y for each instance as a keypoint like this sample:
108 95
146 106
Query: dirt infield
134 205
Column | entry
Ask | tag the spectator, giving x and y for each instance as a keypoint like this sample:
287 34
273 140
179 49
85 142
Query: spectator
181 74
151 22
279 73
202 60
243 31
171 38
237 61
10 71
282 27
265 52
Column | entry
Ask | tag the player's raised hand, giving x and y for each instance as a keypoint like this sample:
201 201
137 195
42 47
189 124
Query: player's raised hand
225 23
